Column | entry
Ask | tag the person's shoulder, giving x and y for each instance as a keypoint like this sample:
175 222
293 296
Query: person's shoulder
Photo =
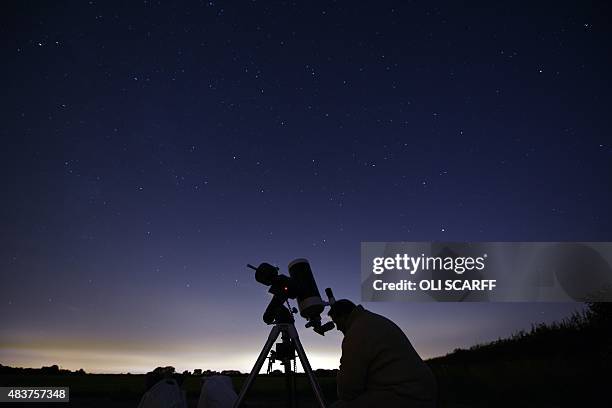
379 324
366 322
366 333
357 339
375 317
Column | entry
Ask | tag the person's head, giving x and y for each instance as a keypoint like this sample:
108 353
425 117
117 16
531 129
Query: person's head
339 313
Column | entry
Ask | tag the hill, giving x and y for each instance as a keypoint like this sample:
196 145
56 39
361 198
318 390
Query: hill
558 364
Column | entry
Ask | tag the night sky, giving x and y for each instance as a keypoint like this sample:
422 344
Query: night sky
151 150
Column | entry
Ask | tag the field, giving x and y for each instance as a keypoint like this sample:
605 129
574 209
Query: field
524 383
120 390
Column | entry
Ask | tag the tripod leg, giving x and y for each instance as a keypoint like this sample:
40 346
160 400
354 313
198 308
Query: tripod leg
258 364
306 366
290 384
289 373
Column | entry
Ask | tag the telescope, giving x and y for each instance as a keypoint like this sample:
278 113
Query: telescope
300 285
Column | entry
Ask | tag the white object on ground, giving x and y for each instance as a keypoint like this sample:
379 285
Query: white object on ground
217 392
164 394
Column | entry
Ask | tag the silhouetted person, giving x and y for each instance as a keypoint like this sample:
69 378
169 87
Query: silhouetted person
379 367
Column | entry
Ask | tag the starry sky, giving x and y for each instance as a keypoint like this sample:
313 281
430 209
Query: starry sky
151 149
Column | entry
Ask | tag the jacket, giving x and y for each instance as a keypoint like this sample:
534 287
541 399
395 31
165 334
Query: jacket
379 366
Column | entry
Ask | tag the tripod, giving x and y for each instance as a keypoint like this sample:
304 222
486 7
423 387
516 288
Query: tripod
284 325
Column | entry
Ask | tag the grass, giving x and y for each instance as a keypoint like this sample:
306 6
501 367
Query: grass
98 390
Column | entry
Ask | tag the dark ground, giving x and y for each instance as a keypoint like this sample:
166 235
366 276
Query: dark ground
100 390
526 383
